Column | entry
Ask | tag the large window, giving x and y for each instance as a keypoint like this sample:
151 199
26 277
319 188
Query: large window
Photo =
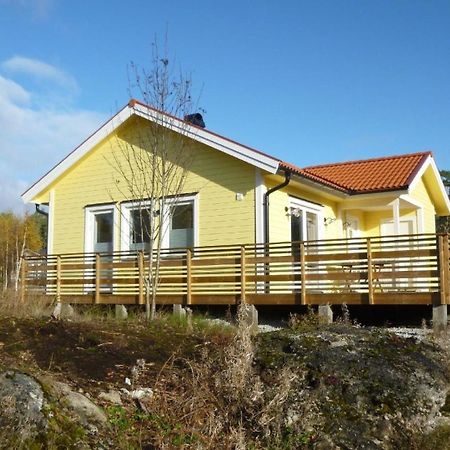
179 225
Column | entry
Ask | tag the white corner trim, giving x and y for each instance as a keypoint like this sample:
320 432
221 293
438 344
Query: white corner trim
260 190
51 222
213 140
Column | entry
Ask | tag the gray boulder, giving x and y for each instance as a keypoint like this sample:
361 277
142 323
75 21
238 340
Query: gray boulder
21 404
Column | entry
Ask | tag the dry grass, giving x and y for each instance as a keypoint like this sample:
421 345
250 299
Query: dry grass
223 403
11 305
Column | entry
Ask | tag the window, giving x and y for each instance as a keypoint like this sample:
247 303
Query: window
135 226
99 229
181 227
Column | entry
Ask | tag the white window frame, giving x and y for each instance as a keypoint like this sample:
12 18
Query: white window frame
182 200
89 213
125 223
304 206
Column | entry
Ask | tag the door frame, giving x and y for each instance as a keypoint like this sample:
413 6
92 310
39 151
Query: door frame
305 206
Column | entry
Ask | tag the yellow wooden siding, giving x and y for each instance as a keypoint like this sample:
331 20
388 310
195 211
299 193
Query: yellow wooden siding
422 195
279 220
374 219
215 176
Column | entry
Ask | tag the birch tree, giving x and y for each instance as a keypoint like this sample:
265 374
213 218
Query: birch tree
152 163
18 235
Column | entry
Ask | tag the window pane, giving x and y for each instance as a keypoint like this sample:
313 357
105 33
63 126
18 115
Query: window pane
181 233
139 226
103 227
312 229
182 217
296 224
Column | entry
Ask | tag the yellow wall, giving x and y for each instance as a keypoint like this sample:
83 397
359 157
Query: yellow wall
216 178
422 195
280 228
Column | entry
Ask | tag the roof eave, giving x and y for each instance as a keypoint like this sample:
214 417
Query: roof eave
232 148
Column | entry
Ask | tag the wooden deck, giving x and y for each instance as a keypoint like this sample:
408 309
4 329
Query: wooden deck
407 270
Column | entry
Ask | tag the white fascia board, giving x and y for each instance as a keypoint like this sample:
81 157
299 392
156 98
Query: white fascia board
213 140
430 162
320 188
234 149
103 132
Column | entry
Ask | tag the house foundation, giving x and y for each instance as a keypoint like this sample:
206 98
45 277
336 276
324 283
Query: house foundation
121 312
63 310
325 314
179 312
439 318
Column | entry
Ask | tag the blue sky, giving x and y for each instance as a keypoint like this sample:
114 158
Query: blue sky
310 82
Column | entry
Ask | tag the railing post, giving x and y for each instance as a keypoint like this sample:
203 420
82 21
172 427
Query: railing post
446 262
303 272
58 278
97 278
23 275
370 270
141 276
188 276
443 269
243 274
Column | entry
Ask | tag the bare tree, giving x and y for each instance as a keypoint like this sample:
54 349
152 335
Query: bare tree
152 163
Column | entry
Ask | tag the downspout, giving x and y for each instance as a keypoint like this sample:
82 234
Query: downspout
40 211
287 179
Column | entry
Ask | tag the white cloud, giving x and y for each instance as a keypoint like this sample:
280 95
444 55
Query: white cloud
40 70
34 136
39 9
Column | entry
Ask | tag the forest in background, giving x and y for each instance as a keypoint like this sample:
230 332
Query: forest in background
20 234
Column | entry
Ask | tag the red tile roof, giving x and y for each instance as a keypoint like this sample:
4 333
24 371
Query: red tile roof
364 176
353 177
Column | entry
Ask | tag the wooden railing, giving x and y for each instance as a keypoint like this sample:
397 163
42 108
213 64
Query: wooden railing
412 269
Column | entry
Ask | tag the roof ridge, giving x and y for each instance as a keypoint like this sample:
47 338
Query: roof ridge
360 161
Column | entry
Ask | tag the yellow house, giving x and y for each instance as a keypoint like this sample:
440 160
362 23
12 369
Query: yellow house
234 194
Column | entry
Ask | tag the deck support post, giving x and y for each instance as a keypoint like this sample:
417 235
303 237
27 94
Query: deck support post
121 312
179 312
325 314
63 310
249 316
439 318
